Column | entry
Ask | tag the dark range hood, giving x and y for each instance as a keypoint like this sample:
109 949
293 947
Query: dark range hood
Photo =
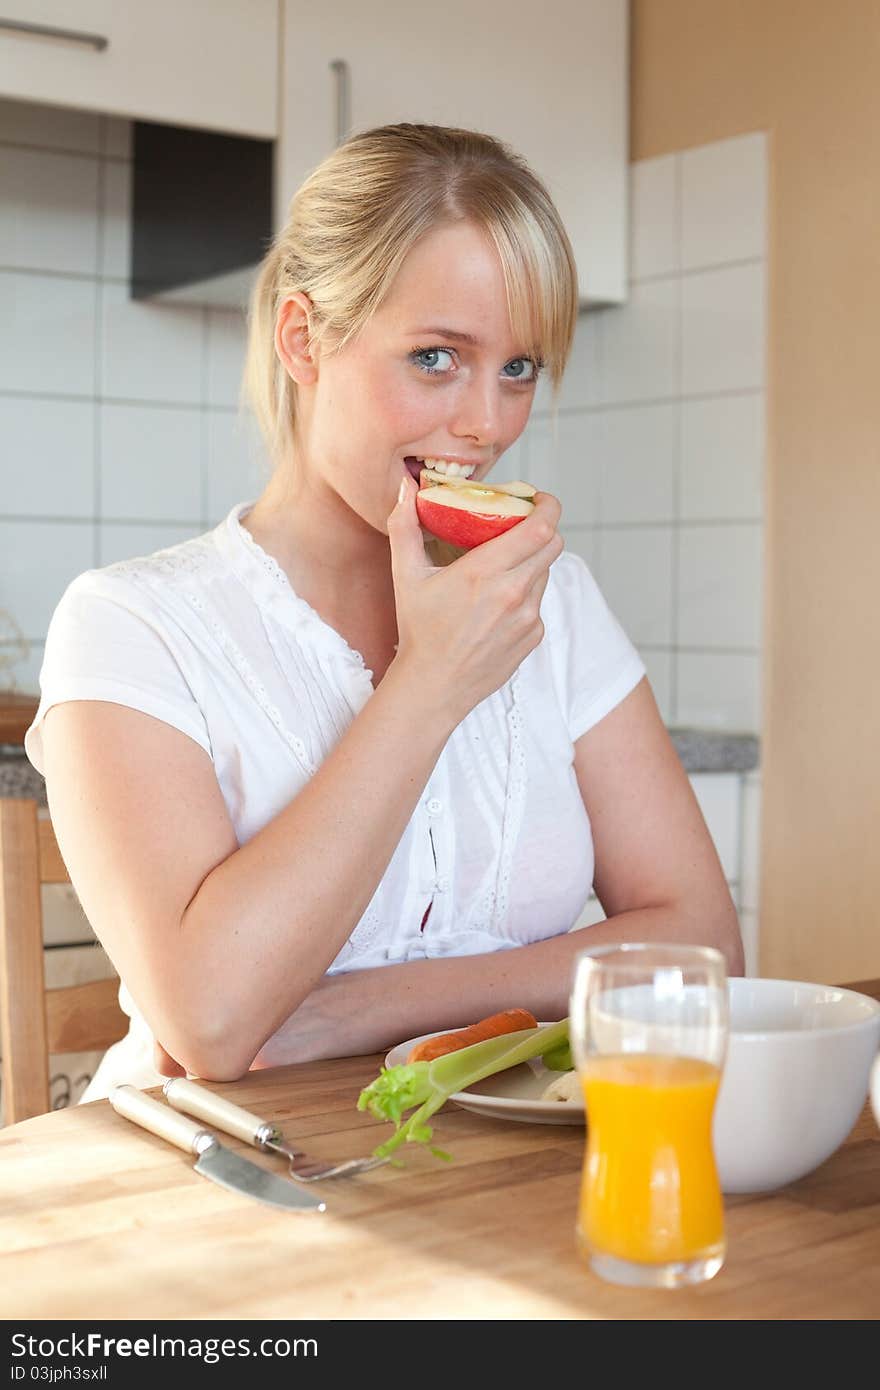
201 214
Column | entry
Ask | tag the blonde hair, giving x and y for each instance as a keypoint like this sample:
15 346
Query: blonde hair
359 213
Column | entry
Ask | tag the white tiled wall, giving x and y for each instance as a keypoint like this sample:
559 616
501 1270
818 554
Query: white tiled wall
119 428
657 454
658 449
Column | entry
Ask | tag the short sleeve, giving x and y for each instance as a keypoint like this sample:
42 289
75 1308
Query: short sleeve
108 641
595 663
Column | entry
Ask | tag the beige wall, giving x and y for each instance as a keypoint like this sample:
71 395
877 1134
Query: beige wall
807 72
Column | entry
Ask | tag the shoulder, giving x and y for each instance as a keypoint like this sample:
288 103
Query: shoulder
571 591
153 582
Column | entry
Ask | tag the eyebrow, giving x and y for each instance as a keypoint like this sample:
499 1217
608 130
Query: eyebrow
450 333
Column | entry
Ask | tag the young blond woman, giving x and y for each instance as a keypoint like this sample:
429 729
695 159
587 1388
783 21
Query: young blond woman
317 791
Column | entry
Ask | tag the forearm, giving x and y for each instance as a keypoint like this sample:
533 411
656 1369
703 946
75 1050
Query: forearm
363 1011
272 917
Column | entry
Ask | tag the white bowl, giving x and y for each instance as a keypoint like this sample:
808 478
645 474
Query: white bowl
795 1080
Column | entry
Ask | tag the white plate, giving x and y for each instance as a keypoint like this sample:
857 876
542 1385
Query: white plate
513 1094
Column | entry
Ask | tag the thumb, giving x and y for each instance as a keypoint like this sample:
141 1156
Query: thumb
404 532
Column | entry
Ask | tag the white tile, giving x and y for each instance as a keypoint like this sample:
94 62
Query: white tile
20 666
236 469
38 559
151 464
718 690
48 342
639 451
47 460
724 201
116 220
640 345
581 540
636 566
227 339
151 352
750 863
659 666
49 127
117 143
49 211
720 586
653 216
129 540
564 458
748 928
64 922
723 330
578 464
513 463
580 384
718 794
722 458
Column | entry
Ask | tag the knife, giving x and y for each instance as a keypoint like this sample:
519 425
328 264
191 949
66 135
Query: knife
214 1161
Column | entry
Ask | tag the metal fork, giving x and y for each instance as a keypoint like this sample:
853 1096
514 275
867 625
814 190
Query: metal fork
205 1105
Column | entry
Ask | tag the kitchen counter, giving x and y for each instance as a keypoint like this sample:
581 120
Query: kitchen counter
714 750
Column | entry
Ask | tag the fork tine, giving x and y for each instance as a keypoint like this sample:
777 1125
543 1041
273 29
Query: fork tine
311 1172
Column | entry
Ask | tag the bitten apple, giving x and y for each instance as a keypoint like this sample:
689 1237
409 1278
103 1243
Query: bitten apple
466 514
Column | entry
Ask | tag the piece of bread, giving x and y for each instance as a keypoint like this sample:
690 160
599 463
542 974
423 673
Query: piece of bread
565 1088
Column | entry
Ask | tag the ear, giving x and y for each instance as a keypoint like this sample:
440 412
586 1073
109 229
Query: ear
293 338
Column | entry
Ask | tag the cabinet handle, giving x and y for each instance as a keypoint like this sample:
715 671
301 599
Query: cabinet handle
339 67
47 31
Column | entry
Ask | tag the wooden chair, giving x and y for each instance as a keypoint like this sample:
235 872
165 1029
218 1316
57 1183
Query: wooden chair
36 1022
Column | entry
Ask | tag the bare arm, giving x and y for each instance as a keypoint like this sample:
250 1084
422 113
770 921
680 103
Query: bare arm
658 879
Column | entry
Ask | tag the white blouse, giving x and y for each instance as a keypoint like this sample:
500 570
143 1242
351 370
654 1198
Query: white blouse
210 637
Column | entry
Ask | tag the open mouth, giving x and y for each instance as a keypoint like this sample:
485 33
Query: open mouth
450 470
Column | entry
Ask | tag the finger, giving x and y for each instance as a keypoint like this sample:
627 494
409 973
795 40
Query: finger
522 541
405 534
537 566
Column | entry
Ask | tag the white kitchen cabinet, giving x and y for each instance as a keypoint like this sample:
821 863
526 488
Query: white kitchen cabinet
212 64
550 80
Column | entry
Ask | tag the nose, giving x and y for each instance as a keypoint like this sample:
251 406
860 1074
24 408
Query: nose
478 409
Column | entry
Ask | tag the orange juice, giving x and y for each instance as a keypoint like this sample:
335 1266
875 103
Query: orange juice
650 1189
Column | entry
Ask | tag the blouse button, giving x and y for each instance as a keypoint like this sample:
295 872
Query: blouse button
442 883
434 806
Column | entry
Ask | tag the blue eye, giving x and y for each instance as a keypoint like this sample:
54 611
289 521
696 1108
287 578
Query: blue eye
522 369
427 360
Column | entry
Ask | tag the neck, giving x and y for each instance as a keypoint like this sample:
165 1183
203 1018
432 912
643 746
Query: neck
295 522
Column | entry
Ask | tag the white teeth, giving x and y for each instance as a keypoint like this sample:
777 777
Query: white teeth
452 470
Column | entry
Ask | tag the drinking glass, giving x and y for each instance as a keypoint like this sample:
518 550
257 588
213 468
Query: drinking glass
648 1028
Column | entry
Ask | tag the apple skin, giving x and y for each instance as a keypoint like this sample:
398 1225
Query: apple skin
462 528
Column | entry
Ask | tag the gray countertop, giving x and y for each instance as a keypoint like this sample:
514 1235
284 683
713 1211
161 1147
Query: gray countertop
700 750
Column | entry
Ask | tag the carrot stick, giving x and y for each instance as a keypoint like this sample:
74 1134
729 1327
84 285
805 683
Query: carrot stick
509 1021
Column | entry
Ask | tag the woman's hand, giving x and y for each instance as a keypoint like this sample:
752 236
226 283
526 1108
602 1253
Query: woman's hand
469 626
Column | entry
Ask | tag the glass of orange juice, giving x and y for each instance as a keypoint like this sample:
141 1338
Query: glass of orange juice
648 1028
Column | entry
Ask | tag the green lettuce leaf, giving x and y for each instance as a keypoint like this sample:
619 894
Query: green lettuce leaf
423 1087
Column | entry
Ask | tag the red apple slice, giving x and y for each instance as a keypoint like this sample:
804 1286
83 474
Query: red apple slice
466 514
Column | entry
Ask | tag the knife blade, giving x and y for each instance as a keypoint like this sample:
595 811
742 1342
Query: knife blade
214 1160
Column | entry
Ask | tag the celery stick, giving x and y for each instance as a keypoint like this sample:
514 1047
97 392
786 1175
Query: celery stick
423 1087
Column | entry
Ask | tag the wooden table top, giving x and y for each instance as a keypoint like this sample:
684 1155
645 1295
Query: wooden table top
100 1219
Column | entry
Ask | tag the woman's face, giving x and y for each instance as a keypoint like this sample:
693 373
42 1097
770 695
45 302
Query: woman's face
435 374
